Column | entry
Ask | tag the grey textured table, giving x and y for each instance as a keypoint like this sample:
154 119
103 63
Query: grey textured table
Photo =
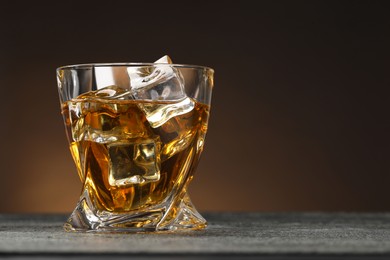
229 235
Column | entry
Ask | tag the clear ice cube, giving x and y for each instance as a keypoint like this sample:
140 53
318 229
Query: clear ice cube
157 82
104 122
159 113
163 83
133 162
89 124
109 76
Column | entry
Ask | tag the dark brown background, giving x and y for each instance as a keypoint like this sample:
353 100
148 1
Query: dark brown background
300 112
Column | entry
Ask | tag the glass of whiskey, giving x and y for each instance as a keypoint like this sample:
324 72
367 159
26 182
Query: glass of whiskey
136 132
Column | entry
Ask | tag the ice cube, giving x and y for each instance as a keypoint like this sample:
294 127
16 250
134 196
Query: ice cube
104 77
160 82
157 82
177 134
92 118
91 121
164 59
159 113
111 75
133 162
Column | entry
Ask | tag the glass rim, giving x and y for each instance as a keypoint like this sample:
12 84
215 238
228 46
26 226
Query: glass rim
132 64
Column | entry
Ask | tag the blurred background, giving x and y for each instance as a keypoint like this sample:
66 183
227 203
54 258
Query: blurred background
299 118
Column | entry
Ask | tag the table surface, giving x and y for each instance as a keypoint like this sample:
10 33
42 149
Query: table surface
250 235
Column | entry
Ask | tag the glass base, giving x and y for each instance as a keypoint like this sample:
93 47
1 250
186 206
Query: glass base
180 216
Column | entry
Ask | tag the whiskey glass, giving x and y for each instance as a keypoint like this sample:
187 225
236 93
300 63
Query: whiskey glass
136 132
